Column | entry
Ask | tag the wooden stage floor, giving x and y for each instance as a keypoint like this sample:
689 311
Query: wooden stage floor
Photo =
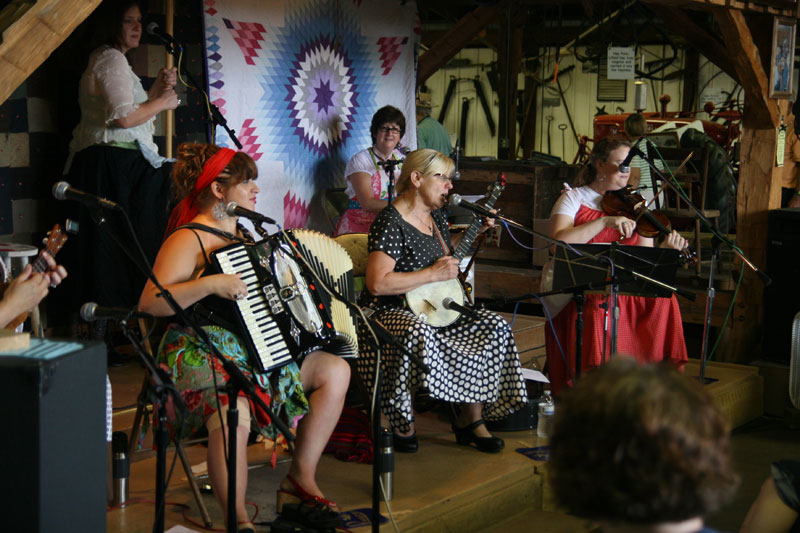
444 487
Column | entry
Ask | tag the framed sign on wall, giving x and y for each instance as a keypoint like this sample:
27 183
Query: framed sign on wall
782 57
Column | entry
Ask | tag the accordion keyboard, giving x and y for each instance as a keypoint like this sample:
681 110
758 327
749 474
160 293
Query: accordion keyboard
265 337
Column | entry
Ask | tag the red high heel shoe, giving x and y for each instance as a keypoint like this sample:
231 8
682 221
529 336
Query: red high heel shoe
299 495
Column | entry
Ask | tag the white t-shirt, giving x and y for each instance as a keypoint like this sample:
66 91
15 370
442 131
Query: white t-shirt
364 161
570 201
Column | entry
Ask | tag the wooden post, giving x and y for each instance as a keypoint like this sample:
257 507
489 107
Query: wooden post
690 84
759 191
759 178
527 131
508 59
169 116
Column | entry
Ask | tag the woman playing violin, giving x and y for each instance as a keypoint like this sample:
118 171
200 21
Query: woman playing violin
649 329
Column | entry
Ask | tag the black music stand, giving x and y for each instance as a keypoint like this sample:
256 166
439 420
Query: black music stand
573 270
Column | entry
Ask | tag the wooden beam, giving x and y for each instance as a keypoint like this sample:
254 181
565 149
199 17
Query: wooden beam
708 45
509 59
690 81
744 53
31 40
741 5
758 191
454 40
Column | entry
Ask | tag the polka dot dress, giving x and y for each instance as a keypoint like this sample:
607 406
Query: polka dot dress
473 360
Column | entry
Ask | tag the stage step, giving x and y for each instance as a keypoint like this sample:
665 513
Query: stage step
529 336
737 389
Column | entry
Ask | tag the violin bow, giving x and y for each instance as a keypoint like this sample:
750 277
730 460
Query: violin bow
666 184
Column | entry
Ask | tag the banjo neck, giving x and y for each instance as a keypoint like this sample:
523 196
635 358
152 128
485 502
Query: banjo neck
477 222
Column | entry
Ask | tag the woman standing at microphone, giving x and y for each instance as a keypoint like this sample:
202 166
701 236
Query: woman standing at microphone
649 329
113 155
367 172
473 362
209 178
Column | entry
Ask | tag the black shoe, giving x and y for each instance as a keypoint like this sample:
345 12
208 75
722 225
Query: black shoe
408 444
465 437
311 514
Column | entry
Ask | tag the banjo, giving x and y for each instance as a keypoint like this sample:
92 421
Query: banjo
431 302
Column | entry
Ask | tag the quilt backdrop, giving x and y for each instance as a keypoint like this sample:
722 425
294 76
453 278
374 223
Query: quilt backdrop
299 81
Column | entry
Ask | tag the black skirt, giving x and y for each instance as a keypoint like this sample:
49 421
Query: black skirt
99 270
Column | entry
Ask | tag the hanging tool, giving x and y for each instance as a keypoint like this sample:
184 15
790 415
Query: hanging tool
549 119
446 102
563 128
484 104
464 116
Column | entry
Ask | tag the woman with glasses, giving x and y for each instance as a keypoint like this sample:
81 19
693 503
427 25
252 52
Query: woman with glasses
366 172
473 362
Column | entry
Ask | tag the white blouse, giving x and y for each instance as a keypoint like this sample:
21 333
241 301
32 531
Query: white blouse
364 161
109 90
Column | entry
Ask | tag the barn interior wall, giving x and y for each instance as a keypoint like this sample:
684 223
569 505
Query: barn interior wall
580 93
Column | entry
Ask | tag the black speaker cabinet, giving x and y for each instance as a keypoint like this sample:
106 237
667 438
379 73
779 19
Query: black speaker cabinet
782 297
53 449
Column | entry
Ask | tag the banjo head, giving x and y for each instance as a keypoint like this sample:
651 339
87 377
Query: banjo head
427 302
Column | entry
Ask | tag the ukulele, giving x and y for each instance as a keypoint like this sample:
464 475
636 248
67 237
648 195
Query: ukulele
55 241
427 301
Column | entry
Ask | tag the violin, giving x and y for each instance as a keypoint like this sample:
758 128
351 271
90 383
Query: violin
627 203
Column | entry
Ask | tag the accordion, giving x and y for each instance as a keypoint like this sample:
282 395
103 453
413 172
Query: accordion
286 313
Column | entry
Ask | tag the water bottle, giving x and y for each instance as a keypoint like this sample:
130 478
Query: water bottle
384 454
120 467
546 411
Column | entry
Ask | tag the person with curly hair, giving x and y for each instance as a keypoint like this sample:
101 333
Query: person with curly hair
640 448
208 178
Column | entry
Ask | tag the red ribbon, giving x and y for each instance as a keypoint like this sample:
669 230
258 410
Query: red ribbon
186 210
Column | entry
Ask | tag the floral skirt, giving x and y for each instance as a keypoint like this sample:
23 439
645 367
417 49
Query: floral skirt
198 375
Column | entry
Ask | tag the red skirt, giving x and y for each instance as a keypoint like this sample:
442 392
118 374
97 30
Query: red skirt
649 329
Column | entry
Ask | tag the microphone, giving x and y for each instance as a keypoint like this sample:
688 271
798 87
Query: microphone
475 208
405 150
63 191
90 312
154 30
448 303
233 210
625 166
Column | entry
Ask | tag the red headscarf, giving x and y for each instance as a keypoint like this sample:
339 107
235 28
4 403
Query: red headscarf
186 210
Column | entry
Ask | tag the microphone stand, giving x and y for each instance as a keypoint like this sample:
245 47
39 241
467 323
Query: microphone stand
579 296
698 214
159 395
387 338
710 293
215 117
237 382
389 166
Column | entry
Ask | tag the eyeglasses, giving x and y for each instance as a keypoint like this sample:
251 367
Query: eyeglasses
442 177
387 129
